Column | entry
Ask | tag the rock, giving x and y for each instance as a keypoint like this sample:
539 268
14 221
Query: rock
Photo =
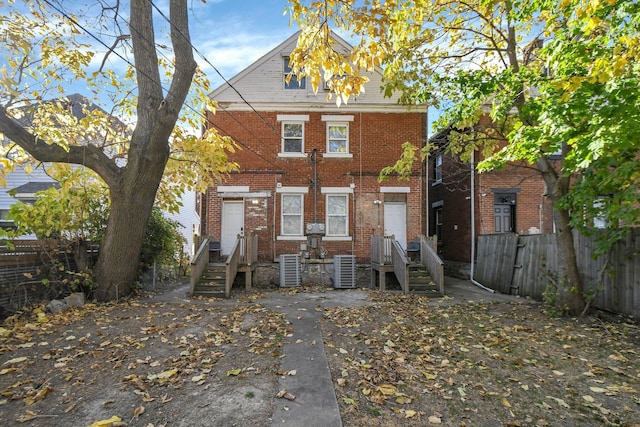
76 299
57 306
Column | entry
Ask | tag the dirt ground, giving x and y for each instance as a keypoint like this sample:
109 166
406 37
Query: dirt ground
400 360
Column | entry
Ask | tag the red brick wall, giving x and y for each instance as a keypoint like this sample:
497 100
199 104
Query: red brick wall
375 141
533 210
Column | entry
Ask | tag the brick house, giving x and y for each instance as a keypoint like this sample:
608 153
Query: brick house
308 177
510 200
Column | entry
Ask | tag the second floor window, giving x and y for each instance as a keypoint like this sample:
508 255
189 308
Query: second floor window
293 82
337 138
292 137
437 170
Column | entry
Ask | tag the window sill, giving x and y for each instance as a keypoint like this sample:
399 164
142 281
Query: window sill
337 238
292 238
292 155
338 155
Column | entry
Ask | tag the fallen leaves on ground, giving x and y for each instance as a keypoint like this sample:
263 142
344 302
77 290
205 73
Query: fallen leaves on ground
480 364
142 361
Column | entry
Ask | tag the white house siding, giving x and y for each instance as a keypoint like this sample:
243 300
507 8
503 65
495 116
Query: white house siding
17 178
188 218
264 81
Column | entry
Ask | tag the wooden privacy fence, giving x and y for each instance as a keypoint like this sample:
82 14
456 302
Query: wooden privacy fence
23 266
525 265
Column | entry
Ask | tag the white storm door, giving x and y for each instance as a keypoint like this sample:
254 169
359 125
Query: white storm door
232 224
395 221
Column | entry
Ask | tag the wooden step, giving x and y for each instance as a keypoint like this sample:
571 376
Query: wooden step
210 289
420 281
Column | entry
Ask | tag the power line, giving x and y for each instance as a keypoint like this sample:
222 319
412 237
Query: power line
90 34
214 68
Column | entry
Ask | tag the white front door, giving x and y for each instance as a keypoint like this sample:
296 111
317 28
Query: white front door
395 221
232 224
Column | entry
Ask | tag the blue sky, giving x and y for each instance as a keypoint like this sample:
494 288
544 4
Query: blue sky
232 34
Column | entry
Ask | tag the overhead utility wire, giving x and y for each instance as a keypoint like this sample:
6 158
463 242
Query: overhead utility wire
215 69
89 33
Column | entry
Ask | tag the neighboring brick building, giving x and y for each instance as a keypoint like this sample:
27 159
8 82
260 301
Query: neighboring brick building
510 200
305 161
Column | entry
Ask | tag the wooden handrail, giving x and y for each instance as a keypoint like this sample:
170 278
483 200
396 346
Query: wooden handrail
199 263
431 261
400 266
381 248
232 265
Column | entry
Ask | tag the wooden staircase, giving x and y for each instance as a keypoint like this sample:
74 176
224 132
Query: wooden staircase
212 281
420 282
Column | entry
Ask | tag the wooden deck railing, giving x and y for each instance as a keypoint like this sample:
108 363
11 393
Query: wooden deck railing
432 262
233 260
198 263
248 248
381 248
400 266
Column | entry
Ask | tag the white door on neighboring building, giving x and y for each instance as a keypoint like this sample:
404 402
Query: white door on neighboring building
395 221
232 224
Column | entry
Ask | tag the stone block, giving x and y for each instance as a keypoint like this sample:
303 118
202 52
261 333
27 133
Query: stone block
57 306
76 299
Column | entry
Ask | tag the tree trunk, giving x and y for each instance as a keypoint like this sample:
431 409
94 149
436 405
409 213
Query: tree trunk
117 267
569 298
133 189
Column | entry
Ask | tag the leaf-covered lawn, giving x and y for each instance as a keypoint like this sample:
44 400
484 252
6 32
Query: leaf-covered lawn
401 361
141 364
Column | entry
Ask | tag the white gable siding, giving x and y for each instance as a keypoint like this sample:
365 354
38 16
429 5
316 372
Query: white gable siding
17 178
262 84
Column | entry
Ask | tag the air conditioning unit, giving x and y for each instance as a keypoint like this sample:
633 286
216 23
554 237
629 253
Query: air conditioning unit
344 271
290 270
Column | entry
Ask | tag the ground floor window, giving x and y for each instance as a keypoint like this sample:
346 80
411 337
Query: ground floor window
337 215
292 212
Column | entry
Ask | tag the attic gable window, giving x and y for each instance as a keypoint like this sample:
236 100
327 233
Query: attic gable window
293 82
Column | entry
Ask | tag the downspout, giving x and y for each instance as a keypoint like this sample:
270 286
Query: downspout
315 185
473 226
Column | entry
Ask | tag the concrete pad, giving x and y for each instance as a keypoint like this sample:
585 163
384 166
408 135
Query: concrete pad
315 403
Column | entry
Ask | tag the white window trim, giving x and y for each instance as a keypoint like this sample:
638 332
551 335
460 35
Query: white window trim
233 189
336 190
328 153
299 190
293 117
283 153
287 59
346 215
283 236
395 189
336 118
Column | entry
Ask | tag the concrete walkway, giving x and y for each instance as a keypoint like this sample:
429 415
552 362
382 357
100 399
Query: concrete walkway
315 403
